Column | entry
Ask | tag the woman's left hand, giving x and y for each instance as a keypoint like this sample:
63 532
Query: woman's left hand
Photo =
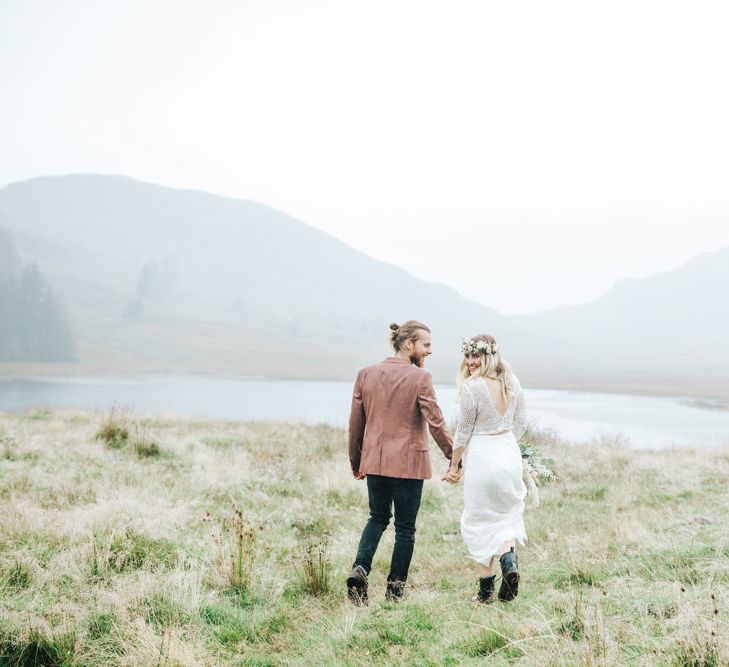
452 475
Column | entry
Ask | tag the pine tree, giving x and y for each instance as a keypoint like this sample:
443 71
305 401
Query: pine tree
150 284
33 324
9 259
56 340
30 312
9 333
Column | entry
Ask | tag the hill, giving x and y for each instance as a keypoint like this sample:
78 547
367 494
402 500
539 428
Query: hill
239 286
669 328
164 280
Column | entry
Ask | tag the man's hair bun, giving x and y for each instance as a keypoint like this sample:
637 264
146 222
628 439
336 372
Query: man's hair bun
409 330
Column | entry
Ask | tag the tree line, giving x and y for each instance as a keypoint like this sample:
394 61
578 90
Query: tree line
33 324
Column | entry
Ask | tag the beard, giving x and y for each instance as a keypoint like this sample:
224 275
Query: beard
415 360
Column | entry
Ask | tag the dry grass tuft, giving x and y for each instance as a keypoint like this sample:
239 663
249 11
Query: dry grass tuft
114 430
316 568
235 543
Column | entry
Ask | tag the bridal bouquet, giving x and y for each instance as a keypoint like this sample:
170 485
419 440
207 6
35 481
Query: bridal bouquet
536 468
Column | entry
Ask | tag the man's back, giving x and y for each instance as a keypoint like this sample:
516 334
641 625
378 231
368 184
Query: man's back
388 446
391 403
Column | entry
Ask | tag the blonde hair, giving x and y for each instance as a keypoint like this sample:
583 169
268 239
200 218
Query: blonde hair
493 366
399 333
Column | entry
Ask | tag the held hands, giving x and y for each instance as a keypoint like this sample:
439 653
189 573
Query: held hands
358 475
453 474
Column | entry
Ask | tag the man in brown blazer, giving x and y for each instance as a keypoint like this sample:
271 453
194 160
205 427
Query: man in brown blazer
388 444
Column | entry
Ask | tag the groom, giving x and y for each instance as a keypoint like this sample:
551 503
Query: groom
388 445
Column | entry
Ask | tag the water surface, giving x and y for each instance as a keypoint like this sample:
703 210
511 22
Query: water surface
644 421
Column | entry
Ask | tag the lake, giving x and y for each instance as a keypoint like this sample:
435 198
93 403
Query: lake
644 421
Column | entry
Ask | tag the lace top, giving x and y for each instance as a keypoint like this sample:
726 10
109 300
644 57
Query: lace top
480 416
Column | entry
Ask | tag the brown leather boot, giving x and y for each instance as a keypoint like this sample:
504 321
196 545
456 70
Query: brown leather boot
357 586
394 591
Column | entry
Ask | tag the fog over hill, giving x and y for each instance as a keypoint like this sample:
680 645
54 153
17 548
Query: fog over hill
248 289
165 280
671 327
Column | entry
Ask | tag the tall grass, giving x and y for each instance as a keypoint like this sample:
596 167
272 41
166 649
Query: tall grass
235 543
105 558
316 567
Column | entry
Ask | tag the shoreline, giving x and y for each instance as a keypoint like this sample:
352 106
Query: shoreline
701 395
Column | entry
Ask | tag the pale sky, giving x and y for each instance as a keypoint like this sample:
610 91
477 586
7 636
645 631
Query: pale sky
529 154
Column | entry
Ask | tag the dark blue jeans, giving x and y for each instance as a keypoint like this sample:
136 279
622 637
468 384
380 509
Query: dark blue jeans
384 492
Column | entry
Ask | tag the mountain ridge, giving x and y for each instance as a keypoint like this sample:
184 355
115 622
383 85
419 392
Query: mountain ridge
229 252
242 275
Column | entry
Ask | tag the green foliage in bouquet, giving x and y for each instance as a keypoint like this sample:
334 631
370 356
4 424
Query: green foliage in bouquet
541 467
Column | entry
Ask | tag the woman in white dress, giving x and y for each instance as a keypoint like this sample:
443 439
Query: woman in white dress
492 419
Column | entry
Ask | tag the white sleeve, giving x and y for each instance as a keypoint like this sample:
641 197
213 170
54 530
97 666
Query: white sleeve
466 419
520 416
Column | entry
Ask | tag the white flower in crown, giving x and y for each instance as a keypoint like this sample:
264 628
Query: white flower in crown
494 348
469 347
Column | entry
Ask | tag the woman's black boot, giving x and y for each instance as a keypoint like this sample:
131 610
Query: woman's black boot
509 588
486 591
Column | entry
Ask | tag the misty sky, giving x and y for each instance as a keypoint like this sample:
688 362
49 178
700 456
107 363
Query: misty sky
529 154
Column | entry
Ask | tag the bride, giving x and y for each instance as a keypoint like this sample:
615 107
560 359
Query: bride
492 419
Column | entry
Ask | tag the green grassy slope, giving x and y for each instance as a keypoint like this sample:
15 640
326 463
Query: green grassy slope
130 553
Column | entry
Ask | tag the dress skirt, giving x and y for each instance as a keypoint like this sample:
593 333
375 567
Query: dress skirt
494 494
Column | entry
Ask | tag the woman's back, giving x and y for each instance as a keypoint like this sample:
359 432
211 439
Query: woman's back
497 396
485 411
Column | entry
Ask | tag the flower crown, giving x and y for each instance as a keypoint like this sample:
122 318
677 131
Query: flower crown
478 347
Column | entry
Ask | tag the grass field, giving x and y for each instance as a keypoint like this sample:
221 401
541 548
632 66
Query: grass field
177 542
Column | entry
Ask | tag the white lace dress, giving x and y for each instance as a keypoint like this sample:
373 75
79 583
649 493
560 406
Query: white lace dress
494 491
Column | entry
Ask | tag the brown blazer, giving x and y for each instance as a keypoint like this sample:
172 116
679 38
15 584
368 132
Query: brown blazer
391 402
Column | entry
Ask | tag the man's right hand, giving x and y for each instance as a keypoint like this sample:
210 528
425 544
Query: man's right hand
452 475
358 475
